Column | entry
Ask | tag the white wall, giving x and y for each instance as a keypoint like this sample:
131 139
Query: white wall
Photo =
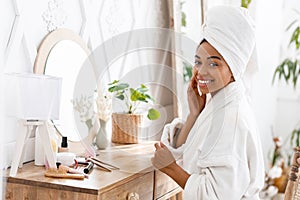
268 32
277 105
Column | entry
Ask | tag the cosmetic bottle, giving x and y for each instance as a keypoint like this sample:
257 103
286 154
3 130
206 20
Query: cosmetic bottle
64 145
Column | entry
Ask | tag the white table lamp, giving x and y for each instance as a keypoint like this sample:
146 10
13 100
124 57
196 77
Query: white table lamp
33 99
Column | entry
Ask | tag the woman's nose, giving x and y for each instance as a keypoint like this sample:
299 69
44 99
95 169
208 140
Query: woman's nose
202 70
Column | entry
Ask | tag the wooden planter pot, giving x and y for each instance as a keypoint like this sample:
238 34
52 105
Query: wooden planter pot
126 128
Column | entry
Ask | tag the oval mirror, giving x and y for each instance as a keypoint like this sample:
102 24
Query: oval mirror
62 53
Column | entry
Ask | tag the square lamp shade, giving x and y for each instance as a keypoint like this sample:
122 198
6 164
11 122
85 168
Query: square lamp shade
32 96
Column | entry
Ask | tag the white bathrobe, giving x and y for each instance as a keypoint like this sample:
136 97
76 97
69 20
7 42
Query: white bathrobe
222 151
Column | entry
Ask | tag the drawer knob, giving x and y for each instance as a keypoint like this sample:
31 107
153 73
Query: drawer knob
133 196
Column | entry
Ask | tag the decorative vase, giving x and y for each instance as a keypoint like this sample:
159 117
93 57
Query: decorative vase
126 128
102 135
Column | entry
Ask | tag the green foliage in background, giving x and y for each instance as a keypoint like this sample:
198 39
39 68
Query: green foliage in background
295 138
132 97
187 72
289 68
183 15
245 3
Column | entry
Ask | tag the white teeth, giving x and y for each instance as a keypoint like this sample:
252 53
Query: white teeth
205 81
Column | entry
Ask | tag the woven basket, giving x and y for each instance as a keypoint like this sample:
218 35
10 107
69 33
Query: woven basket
126 128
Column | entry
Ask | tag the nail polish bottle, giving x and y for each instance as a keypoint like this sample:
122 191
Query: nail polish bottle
64 145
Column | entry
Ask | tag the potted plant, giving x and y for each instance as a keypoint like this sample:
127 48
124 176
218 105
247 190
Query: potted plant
126 125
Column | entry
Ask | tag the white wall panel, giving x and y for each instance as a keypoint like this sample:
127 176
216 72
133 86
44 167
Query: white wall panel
7 20
74 15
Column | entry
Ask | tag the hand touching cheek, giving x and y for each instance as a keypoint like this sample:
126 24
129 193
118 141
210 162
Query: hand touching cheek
196 102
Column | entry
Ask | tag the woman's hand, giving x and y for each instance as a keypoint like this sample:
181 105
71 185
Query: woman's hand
163 158
165 162
196 102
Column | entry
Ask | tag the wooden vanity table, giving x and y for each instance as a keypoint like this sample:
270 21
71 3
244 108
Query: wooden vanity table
136 179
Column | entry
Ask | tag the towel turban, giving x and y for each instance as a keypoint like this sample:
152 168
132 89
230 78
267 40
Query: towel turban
231 31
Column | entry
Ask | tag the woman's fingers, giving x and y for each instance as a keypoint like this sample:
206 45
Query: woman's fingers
157 147
162 156
193 82
162 145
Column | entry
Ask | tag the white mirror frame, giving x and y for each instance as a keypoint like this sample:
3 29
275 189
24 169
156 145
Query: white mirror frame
50 41
40 63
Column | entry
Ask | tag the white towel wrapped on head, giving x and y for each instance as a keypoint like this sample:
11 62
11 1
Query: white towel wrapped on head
231 31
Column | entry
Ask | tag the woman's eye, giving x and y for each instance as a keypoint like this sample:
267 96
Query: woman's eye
198 62
213 64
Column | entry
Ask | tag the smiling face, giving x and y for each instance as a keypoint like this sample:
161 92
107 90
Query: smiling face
211 70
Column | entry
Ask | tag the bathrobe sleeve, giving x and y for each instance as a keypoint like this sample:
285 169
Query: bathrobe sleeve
169 137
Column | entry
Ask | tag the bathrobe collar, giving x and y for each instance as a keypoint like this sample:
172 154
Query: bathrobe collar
213 114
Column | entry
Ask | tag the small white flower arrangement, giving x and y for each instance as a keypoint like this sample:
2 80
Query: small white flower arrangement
99 106
83 106
104 106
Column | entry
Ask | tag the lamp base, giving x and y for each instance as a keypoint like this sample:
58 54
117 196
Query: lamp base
20 145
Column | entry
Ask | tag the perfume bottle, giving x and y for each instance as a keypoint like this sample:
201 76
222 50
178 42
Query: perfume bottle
64 145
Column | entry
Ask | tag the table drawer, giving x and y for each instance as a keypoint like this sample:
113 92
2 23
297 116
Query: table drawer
141 188
16 191
164 185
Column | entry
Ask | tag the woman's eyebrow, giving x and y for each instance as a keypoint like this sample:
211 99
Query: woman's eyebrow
210 57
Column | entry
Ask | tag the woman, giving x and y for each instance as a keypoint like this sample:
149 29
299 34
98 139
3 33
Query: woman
219 144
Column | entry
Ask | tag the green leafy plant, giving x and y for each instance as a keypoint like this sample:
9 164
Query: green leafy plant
289 68
187 72
245 3
133 97
183 15
295 138
277 150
